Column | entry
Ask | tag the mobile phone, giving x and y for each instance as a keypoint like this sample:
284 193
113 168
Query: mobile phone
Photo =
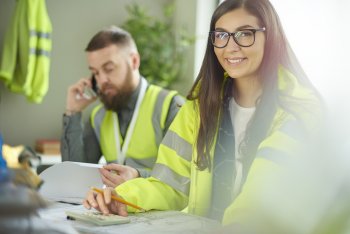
94 84
89 92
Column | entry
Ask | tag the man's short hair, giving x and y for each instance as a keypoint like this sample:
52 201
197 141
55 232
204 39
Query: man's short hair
111 35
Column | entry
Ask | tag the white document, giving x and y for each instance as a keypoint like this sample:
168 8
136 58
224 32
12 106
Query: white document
70 181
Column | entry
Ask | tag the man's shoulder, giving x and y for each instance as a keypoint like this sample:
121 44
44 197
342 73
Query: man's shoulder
163 91
98 110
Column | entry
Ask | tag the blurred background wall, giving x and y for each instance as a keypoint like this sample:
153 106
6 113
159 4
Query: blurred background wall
74 23
317 32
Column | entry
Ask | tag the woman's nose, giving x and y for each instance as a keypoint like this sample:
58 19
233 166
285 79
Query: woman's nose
232 44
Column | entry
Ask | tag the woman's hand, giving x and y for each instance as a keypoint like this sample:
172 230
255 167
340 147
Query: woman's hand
104 203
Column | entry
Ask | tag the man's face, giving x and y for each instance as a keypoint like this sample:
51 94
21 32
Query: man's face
113 68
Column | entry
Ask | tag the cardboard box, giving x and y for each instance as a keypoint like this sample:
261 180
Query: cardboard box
48 146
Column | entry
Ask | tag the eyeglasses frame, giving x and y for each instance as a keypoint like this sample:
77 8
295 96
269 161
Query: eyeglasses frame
254 30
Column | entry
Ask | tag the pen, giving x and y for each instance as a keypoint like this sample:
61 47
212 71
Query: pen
118 199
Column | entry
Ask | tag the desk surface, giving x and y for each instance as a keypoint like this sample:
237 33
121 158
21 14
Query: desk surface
155 222
50 159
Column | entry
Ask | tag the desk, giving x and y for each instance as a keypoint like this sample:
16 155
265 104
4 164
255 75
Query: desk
155 222
50 159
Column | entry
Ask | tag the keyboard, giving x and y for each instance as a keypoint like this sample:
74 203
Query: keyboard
97 218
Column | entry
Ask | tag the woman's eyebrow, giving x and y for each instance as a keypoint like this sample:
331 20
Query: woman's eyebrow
245 27
237 29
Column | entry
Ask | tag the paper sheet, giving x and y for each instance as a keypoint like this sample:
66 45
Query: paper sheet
69 181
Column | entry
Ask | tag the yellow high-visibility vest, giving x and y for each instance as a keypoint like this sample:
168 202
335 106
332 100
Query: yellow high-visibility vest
147 133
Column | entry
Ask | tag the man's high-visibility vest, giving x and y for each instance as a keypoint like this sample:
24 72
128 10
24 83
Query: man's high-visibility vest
146 135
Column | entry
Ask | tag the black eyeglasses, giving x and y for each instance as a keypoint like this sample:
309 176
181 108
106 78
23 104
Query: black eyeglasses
244 38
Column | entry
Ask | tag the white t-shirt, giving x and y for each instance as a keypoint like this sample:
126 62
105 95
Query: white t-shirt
240 117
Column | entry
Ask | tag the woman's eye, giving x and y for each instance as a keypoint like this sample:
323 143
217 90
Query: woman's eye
244 34
221 35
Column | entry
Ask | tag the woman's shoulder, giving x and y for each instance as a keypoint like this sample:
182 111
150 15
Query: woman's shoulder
300 122
297 101
190 105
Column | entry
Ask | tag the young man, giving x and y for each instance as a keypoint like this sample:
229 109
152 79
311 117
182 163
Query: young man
129 125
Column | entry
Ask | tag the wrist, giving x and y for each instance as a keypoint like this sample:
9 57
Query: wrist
70 112
136 173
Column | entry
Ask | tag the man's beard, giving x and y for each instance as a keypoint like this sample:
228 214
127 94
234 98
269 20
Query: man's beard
121 99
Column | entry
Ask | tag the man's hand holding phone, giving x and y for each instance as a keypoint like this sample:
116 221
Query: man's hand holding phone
80 95
89 91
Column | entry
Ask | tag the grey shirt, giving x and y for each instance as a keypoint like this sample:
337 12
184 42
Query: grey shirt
79 142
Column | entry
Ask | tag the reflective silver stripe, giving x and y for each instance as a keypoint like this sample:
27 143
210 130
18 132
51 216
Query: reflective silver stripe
146 163
98 121
170 177
39 52
293 128
273 155
181 146
157 115
34 33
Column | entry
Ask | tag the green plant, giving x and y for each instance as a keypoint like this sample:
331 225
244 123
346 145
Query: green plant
162 50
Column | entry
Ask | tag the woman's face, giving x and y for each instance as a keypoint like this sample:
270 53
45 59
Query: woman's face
240 62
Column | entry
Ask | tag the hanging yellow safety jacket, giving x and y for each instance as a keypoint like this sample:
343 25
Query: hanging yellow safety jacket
147 133
176 183
25 62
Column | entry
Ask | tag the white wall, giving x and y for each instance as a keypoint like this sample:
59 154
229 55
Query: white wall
204 13
318 32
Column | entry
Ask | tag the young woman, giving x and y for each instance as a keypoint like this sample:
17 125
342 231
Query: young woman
250 110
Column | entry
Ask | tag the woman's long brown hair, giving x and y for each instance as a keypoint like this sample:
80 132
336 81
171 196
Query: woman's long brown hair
208 87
